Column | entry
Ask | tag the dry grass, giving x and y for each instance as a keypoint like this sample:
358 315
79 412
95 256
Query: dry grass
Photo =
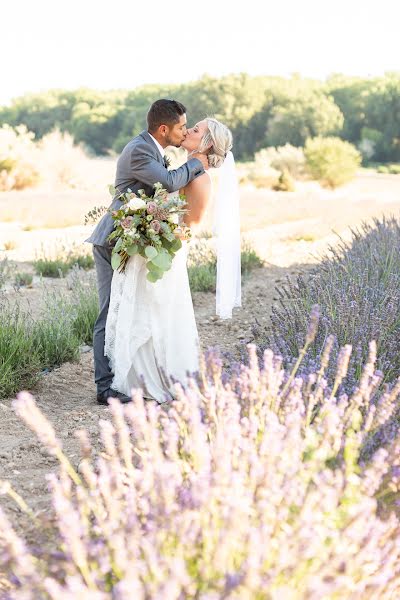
283 226
51 207
10 245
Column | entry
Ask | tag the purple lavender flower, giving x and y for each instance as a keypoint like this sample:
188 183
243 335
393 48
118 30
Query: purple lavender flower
233 489
313 324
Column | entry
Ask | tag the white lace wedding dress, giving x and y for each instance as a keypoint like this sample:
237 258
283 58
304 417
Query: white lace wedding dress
151 333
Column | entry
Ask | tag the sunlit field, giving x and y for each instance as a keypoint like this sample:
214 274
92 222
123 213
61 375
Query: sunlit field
340 500
40 218
272 472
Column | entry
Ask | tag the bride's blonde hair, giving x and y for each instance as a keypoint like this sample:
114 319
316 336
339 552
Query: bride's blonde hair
219 137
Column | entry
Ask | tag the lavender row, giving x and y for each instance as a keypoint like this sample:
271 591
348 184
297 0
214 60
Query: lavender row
357 289
249 487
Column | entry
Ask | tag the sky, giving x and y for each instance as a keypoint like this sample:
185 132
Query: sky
115 44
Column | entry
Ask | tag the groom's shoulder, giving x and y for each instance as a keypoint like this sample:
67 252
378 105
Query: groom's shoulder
140 141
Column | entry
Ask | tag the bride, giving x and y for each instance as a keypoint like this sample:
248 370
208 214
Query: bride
151 338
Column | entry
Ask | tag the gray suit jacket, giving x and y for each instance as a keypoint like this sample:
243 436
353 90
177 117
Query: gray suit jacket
140 166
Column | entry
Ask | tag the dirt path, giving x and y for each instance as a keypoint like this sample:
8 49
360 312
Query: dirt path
67 394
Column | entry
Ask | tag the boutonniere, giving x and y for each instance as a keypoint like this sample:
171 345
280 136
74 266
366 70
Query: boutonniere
167 162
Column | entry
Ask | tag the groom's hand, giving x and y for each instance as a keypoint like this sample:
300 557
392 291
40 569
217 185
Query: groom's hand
202 158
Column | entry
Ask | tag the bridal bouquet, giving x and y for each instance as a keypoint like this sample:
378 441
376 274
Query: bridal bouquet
148 226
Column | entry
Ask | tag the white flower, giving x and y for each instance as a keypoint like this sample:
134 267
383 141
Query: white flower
174 218
136 204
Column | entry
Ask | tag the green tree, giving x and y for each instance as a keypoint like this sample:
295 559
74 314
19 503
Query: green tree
95 127
261 111
301 116
383 115
351 96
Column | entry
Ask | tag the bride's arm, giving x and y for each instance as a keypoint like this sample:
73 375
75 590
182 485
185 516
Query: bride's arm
197 194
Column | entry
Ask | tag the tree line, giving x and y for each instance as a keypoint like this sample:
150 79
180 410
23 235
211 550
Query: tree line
261 111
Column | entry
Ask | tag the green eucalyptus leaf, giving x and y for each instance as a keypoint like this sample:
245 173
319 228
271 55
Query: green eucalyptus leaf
131 250
156 270
163 261
112 235
151 252
153 276
176 244
112 190
118 245
166 245
115 260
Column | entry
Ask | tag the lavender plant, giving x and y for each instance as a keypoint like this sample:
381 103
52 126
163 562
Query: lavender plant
240 490
29 345
84 304
6 269
202 264
357 288
19 355
61 260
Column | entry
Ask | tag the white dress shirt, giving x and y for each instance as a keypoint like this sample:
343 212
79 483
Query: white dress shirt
160 148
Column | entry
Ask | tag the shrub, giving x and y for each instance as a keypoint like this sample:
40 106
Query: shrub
202 277
59 262
202 264
383 169
23 280
260 172
55 338
249 258
276 167
83 261
331 161
28 345
19 355
285 183
285 158
10 245
84 305
393 169
202 267
55 159
240 487
51 267
5 271
17 158
60 161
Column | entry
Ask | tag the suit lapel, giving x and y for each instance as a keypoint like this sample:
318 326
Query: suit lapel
145 135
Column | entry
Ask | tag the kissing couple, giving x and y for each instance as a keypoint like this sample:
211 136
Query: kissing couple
145 335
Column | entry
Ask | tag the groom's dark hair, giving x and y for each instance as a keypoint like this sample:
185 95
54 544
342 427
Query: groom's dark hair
164 112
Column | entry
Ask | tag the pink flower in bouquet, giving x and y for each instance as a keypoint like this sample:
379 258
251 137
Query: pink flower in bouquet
151 208
114 213
127 222
156 225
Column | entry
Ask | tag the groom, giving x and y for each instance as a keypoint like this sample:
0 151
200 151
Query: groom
140 166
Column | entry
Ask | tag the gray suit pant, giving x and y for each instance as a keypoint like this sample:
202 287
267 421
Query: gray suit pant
103 375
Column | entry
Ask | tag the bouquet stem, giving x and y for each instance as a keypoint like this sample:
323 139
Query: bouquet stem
124 259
